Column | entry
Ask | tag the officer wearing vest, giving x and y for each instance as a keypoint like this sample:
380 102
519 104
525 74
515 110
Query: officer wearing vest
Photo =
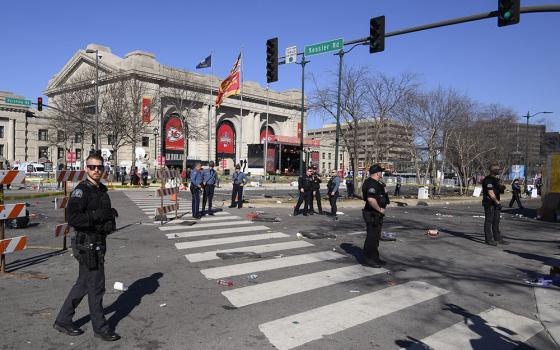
92 218
209 182
491 189
376 199
316 194
238 179
305 186
196 187
332 188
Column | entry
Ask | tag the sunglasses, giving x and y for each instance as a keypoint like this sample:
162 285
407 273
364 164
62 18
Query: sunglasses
98 167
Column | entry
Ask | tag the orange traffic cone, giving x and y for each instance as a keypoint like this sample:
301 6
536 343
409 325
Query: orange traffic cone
174 197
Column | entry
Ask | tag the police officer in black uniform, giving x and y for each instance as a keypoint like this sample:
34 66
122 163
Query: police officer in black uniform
316 194
491 189
376 199
209 181
91 216
305 186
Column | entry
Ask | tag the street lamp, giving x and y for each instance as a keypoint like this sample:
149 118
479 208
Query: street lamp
156 134
96 52
528 116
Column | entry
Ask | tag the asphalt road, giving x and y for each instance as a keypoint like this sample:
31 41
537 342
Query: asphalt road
308 293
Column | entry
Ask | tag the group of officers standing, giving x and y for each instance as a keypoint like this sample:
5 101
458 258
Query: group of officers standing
309 186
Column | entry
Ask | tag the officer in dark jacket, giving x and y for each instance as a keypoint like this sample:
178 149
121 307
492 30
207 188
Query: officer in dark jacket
376 199
516 194
91 216
491 189
238 179
209 182
332 188
305 186
316 194
196 187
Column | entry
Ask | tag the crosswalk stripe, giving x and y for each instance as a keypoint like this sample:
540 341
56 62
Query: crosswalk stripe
219 218
271 290
271 264
205 225
286 334
492 329
228 240
257 249
178 221
219 231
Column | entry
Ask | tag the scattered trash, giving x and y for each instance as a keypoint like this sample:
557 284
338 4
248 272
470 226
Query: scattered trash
253 276
354 291
120 286
228 283
339 213
388 236
432 233
406 212
540 282
478 216
295 322
278 202
391 283
163 305
446 216
438 214
279 256
315 235
176 235
299 235
235 255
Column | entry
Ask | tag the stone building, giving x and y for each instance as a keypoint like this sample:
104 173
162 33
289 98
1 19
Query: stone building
231 135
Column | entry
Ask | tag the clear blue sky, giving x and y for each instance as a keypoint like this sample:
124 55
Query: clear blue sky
517 66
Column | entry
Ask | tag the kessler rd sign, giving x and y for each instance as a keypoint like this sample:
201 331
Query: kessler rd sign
327 46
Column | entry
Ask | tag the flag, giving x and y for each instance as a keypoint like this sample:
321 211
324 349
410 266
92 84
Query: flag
205 63
231 84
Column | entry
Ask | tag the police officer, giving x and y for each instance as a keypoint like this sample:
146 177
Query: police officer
209 182
376 199
491 189
91 216
238 179
196 186
349 185
305 183
332 188
316 195
398 186
516 194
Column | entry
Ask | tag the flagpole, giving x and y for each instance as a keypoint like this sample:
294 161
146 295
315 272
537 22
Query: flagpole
210 107
241 107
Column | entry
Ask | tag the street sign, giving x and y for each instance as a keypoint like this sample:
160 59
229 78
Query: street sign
17 101
327 46
291 54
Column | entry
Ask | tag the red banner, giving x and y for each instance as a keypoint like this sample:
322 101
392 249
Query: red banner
71 157
146 110
271 136
226 139
174 135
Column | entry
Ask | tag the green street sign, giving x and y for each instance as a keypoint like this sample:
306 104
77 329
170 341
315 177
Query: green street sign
327 46
17 101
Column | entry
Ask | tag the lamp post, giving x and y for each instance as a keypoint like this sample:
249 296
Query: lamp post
528 116
96 52
156 134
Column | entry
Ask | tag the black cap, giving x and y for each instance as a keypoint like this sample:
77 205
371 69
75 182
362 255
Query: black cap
237 166
211 163
376 168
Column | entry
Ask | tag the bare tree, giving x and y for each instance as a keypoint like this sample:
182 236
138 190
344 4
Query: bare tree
115 123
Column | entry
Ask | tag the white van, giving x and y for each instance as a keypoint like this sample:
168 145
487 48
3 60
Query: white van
31 168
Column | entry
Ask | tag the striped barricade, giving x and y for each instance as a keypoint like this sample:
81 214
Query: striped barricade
61 202
8 177
12 211
167 174
167 209
11 245
167 191
75 175
62 229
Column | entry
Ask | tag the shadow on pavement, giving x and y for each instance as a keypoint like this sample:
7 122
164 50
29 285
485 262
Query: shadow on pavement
471 237
20 264
128 300
355 251
544 259
488 338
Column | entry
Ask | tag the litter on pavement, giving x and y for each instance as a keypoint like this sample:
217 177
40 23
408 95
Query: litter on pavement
228 283
253 276
163 305
388 236
354 291
432 233
315 235
120 286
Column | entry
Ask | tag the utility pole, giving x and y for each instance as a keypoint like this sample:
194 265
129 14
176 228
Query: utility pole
303 63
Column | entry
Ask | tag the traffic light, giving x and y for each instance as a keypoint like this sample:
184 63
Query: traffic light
508 12
39 103
377 34
272 60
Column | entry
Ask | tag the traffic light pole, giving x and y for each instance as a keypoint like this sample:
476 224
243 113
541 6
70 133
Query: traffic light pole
303 63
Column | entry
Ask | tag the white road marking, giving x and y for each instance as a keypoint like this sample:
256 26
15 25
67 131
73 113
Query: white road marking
205 225
219 231
286 334
495 329
270 264
257 249
271 290
228 240
178 221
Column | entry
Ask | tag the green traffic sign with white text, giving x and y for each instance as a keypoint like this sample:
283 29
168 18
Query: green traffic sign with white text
327 46
17 101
